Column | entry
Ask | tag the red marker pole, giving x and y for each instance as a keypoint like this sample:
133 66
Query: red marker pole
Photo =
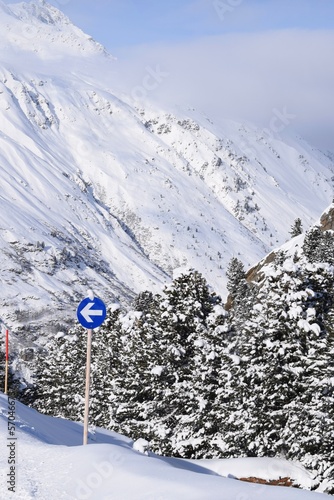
6 366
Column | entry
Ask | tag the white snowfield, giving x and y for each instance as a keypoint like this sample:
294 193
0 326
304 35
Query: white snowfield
102 190
49 463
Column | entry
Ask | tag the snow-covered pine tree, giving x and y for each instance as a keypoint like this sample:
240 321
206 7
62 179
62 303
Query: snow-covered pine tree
296 228
241 293
61 372
236 282
166 348
327 247
146 302
205 428
145 381
247 366
60 376
185 309
309 431
281 384
312 244
108 366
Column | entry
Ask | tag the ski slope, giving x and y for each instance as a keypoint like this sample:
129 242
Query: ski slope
50 463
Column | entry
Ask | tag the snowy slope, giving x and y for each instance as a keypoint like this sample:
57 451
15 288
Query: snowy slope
98 192
50 462
292 247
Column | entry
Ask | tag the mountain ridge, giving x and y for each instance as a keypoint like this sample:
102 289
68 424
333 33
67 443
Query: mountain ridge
101 191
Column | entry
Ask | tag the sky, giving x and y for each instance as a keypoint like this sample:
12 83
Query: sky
240 59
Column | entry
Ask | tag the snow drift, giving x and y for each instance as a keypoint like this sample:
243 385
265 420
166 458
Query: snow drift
50 462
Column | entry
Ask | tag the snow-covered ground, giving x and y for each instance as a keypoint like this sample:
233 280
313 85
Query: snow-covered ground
48 462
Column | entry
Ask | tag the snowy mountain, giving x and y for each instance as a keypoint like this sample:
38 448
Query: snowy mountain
100 192
48 461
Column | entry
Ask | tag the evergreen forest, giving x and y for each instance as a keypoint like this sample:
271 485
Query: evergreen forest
198 378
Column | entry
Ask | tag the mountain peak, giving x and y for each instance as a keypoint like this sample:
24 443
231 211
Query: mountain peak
41 11
74 156
41 28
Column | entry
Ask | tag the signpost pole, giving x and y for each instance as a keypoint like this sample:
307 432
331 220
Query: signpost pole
6 365
91 313
89 346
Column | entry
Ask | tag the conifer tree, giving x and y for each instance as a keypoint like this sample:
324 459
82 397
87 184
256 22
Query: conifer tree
312 244
142 400
60 376
296 228
327 247
61 373
166 346
241 295
204 427
309 431
318 245
184 312
236 282
282 377
109 366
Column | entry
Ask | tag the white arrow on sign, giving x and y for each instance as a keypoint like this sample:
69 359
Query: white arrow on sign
87 312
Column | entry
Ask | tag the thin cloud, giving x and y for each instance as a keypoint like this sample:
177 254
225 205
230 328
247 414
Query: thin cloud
245 76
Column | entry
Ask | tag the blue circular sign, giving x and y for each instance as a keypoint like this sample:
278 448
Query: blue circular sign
91 312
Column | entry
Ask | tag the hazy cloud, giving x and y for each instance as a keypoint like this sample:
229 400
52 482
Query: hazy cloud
245 76
238 59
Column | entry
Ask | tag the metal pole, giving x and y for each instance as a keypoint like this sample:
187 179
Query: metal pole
89 346
6 366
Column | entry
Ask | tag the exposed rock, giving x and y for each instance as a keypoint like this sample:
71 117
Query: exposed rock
327 219
282 481
254 275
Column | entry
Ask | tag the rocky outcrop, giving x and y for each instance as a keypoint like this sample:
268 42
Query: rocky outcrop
327 219
282 481
254 274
